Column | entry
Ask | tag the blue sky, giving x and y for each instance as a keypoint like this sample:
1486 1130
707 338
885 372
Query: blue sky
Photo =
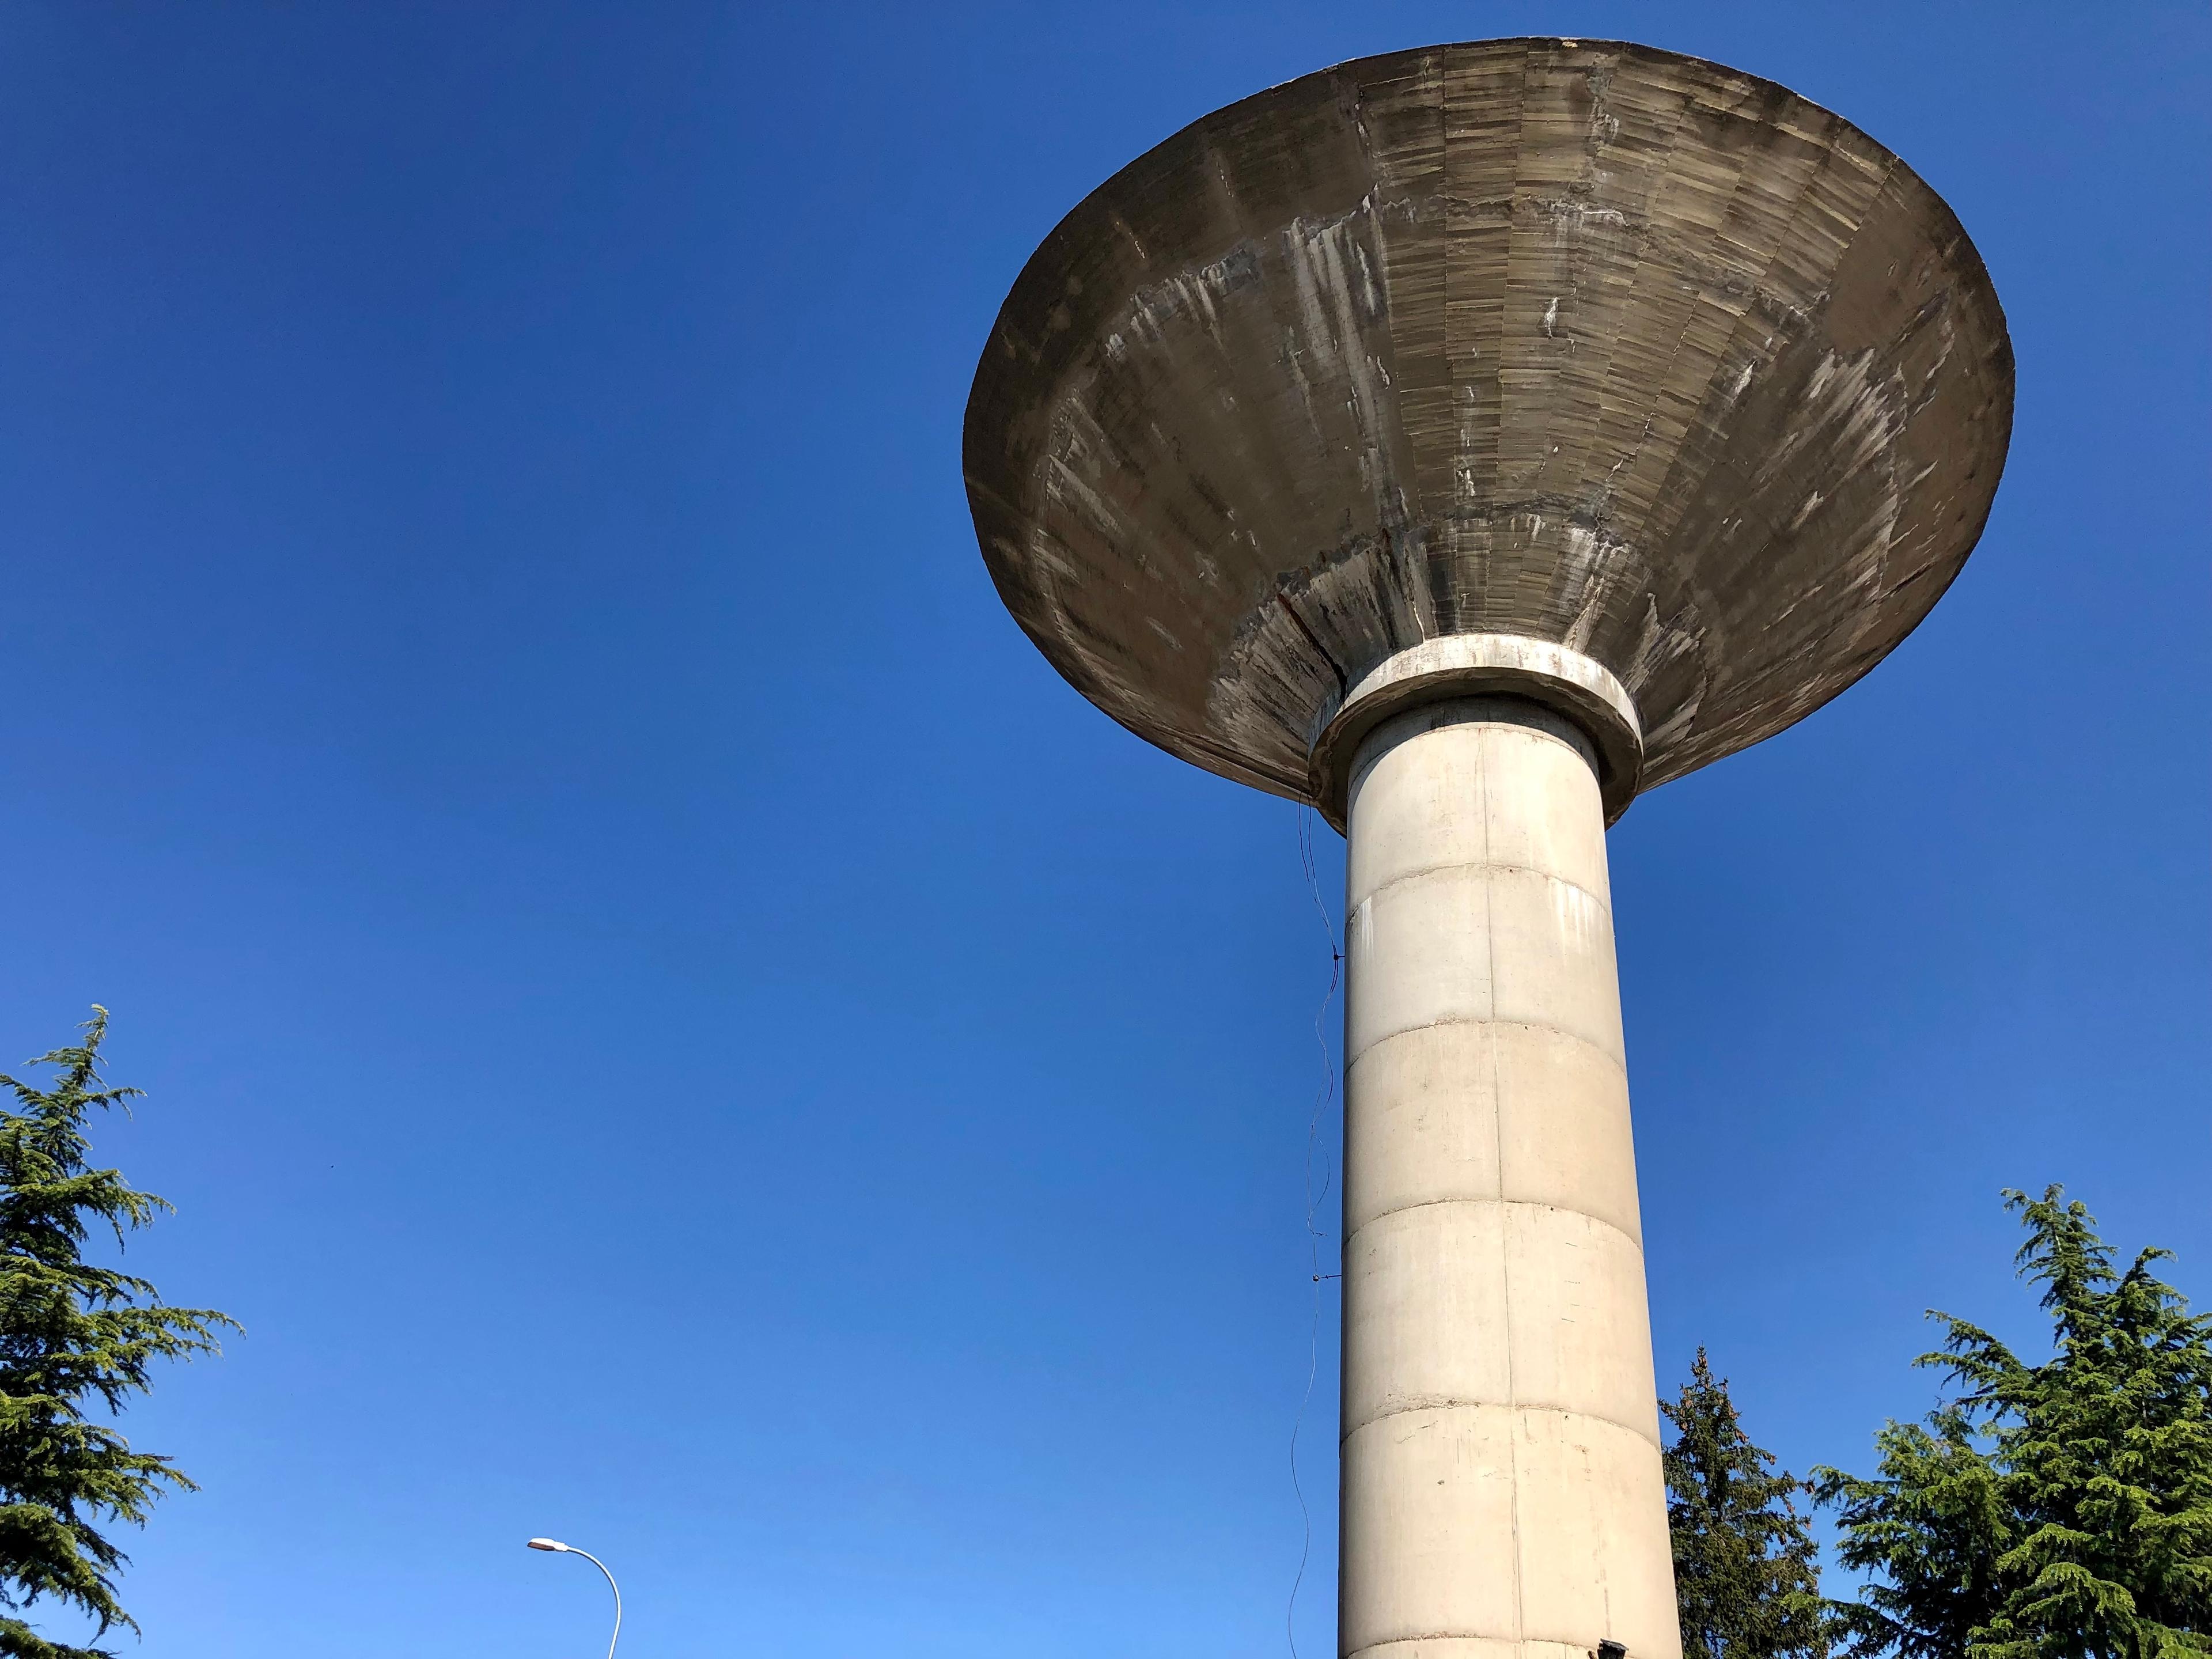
673 1028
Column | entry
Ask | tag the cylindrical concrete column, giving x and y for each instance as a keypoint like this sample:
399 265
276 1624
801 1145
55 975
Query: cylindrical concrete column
1502 1492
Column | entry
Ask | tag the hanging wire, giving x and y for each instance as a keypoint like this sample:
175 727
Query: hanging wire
1322 1097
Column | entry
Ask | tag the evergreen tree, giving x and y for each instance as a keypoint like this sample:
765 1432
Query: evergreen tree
1746 1573
2055 1512
73 1338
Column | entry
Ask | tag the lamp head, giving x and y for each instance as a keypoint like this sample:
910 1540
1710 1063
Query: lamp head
554 1544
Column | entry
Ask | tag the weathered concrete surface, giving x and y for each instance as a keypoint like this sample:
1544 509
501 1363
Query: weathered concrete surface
1502 1491
1582 341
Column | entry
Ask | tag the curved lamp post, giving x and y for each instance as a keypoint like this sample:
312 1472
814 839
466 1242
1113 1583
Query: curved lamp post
559 1548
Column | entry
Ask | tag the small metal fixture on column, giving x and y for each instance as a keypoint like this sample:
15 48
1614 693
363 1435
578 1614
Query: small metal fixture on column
1463 442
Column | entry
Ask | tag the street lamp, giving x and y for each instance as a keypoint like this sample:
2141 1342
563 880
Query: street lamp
560 1548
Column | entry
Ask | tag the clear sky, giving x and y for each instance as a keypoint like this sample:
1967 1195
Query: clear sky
673 1028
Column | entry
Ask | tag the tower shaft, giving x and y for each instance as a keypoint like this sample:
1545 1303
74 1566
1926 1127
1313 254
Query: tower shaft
1502 1489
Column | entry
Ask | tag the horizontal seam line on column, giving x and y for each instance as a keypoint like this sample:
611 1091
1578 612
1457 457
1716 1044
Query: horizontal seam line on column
1619 1061
1515 1641
1651 1439
1439 1636
1602 903
1500 1203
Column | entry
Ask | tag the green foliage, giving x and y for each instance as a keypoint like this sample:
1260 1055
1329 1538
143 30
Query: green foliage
2054 1511
1746 1573
72 1337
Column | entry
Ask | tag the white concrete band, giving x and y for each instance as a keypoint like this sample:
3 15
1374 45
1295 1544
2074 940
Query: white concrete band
1458 665
1501 1492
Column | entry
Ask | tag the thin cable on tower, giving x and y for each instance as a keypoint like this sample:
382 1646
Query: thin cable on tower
1322 1095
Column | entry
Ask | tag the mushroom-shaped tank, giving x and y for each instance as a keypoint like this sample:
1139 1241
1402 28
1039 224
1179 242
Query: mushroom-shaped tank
1581 351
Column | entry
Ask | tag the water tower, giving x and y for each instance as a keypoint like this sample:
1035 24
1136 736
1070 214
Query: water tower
1463 442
